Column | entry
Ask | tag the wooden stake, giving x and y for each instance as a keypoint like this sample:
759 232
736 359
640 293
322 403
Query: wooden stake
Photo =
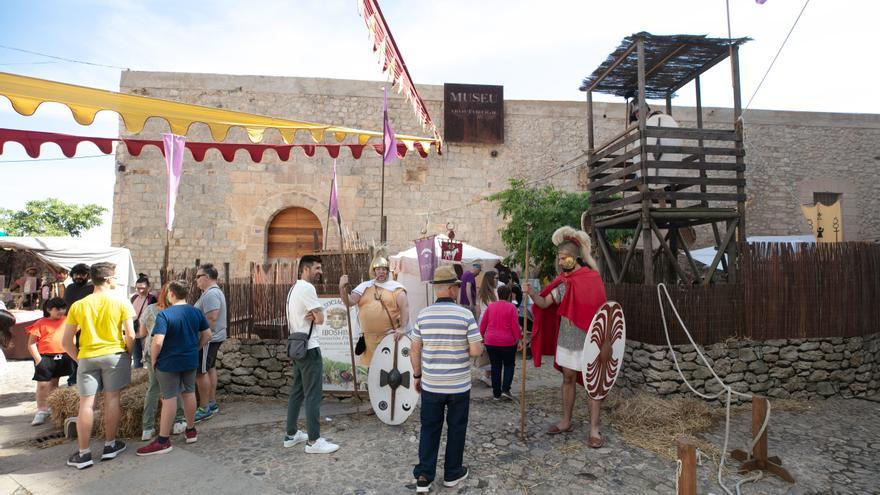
686 475
354 375
759 460
525 330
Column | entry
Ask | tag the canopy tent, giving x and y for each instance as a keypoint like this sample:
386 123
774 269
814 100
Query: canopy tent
405 266
32 142
707 255
27 93
64 252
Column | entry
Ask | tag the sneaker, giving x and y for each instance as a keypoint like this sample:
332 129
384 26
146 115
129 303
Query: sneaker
192 436
178 428
298 438
451 483
40 418
148 434
321 446
80 461
485 379
507 395
110 452
203 414
214 408
155 447
496 398
423 485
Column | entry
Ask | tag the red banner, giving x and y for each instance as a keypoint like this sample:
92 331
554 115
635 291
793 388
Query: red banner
450 250
32 142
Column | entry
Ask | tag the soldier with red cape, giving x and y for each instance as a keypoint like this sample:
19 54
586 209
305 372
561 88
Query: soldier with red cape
563 312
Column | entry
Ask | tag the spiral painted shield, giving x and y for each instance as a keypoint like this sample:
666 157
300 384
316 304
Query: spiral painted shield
604 349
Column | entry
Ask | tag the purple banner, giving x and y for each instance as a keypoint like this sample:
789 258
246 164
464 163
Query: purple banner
427 258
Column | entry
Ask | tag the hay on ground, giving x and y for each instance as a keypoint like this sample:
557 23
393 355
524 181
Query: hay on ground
65 404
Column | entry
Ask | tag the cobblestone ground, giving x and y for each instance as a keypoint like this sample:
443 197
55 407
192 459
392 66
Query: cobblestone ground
830 448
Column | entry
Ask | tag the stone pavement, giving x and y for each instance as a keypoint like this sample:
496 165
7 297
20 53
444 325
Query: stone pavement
830 448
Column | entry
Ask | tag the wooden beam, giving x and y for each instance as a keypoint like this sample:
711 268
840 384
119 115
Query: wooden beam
718 254
617 161
614 64
606 253
647 240
695 150
635 198
695 181
602 179
684 196
686 477
590 123
687 133
667 250
630 251
666 164
687 252
613 146
738 126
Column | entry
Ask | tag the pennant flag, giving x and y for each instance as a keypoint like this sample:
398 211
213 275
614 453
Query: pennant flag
334 200
389 140
760 2
174 146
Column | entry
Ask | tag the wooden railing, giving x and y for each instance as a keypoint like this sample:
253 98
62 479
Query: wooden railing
704 169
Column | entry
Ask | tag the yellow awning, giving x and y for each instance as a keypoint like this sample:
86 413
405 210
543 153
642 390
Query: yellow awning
27 93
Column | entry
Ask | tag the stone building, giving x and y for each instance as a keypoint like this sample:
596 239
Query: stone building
241 211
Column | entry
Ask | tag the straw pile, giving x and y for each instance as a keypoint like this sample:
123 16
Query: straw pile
65 404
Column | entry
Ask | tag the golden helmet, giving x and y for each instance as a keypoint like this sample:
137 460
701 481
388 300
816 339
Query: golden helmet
380 260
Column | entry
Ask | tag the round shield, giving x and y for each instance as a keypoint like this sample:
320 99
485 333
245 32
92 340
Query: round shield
391 384
604 349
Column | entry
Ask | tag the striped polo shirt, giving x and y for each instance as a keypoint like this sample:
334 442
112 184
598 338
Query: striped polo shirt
446 331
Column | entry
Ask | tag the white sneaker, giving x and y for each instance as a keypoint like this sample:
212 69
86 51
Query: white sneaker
485 379
40 418
178 428
321 446
298 438
148 434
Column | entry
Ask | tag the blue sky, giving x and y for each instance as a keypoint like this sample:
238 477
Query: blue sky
537 50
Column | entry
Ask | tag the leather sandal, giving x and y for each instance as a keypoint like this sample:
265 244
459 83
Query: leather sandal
555 430
596 442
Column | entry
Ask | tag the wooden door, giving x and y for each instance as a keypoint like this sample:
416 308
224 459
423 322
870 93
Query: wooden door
293 233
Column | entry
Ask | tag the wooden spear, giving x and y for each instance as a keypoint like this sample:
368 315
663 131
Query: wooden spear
525 331
354 374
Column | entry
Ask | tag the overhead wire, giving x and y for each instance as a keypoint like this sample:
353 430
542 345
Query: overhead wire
63 59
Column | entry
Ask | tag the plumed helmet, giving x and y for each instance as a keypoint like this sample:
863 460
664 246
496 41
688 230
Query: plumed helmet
579 238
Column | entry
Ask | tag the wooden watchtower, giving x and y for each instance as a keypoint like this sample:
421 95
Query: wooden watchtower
657 180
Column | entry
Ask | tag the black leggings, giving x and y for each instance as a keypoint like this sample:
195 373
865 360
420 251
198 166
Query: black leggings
501 357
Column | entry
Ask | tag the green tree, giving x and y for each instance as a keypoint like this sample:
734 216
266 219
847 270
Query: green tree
51 217
536 214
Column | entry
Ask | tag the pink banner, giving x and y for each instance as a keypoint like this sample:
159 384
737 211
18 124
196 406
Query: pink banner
427 258
174 146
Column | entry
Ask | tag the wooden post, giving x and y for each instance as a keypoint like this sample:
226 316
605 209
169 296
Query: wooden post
686 474
669 105
740 161
354 375
759 458
647 234
590 139
226 271
525 331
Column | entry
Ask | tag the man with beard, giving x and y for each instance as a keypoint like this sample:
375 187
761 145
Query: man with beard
382 305
80 288
563 313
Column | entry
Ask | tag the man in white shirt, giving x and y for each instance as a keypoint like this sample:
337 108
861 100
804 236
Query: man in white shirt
304 312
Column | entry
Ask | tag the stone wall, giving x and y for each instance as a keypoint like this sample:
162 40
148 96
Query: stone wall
792 368
787 368
224 209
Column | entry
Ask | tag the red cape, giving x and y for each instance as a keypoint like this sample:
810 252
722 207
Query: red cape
584 295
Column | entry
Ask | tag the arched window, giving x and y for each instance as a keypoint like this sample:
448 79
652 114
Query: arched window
292 233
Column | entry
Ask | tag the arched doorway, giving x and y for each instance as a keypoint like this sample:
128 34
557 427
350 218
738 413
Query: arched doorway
292 233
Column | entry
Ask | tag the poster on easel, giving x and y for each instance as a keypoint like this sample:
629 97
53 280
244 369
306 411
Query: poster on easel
335 349
825 222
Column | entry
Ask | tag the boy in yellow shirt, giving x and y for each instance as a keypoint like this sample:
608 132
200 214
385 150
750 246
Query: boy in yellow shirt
104 358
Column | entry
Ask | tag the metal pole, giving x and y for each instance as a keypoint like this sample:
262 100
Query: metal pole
525 331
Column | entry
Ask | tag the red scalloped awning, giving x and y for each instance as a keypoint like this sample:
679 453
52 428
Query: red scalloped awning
32 141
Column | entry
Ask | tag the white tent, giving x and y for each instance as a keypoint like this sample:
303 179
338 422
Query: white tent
64 252
707 254
405 265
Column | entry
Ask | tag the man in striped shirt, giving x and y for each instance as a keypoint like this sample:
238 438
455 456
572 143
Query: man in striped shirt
444 338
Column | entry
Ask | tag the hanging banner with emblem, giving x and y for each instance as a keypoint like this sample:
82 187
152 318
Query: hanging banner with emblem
450 250
427 258
826 222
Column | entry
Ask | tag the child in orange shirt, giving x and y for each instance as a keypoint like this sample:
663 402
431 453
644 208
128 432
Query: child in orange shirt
50 360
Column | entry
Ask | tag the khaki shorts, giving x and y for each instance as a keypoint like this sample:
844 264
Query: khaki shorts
107 373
